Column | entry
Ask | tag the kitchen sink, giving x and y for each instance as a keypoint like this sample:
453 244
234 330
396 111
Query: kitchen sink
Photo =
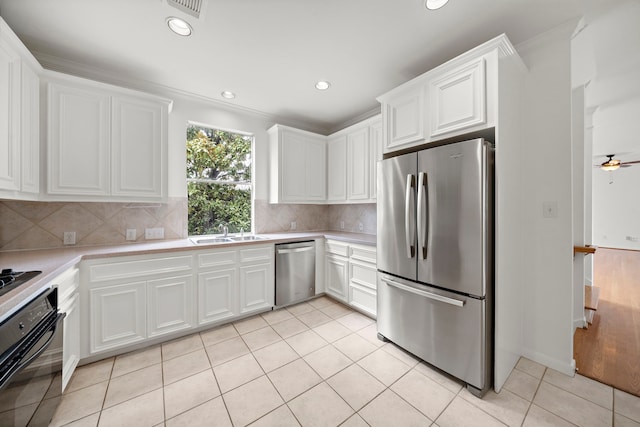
245 238
228 239
208 240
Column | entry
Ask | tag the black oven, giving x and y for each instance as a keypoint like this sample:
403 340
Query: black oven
31 362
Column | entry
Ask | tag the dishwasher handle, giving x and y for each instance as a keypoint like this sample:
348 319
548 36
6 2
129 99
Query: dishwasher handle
290 251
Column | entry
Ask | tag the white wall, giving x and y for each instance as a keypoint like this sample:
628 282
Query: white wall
547 248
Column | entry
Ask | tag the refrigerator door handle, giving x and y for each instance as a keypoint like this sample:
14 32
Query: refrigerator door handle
409 219
436 297
423 225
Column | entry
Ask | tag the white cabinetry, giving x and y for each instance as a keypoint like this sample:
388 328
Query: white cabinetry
351 274
337 169
457 98
337 270
19 118
298 166
351 162
69 303
358 161
257 277
217 285
104 142
403 116
131 299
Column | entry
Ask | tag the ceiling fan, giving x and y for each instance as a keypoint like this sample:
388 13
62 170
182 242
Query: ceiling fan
613 164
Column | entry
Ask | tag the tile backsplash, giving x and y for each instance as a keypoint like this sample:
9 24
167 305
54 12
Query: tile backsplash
38 225
275 218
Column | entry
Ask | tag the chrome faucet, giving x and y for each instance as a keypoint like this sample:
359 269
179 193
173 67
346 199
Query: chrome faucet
224 229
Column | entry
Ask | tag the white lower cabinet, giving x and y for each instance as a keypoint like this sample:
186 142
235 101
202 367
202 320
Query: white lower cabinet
336 274
69 303
169 305
217 295
351 275
256 287
118 316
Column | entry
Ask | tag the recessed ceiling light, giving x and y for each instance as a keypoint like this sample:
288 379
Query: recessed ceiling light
434 4
179 26
322 85
228 95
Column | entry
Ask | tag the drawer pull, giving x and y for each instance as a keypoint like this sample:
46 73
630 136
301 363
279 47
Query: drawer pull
425 294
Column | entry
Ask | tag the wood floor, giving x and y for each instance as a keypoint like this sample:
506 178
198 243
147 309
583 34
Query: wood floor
609 350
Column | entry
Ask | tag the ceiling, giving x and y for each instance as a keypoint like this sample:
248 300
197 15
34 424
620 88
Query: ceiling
271 52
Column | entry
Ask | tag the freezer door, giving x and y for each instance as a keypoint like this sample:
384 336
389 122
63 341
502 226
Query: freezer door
447 330
396 215
454 217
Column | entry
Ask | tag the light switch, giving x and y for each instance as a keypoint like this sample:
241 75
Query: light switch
131 234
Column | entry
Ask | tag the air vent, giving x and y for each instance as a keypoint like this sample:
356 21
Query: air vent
192 7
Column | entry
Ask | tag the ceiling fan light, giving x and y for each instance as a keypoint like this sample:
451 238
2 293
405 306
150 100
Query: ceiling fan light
610 167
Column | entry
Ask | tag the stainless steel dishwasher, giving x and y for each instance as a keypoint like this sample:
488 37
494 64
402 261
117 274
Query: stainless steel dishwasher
295 272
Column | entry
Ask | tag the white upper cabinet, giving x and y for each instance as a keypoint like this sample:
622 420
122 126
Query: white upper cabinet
375 147
9 117
358 162
136 152
337 169
457 99
298 166
19 118
79 141
104 143
403 117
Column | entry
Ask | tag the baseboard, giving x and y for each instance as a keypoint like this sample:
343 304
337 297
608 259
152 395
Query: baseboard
579 323
566 367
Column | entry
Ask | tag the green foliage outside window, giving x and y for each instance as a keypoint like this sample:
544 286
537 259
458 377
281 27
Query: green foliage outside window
218 180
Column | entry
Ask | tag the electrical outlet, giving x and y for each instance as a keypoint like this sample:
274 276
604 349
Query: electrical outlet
632 238
69 237
131 234
294 225
154 233
341 225
360 227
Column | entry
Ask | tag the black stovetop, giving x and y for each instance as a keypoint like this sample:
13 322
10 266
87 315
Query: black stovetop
9 279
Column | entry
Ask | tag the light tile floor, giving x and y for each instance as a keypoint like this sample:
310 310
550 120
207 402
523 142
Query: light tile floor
318 364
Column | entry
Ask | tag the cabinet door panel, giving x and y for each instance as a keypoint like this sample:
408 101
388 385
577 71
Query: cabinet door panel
358 165
78 150
293 154
169 305
315 170
256 287
375 144
9 118
457 99
217 295
71 345
118 316
30 162
136 154
404 116
337 170
336 276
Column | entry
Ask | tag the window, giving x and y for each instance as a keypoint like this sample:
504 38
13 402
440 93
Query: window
218 180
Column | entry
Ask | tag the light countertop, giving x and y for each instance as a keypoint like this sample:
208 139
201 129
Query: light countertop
53 262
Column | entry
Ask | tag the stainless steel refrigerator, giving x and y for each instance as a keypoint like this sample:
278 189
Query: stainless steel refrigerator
435 257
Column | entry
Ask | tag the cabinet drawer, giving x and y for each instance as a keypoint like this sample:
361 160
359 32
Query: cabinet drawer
333 247
67 283
363 298
137 268
256 254
363 274
364 253
217 259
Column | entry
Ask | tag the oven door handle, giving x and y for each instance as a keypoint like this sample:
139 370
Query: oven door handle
23 363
